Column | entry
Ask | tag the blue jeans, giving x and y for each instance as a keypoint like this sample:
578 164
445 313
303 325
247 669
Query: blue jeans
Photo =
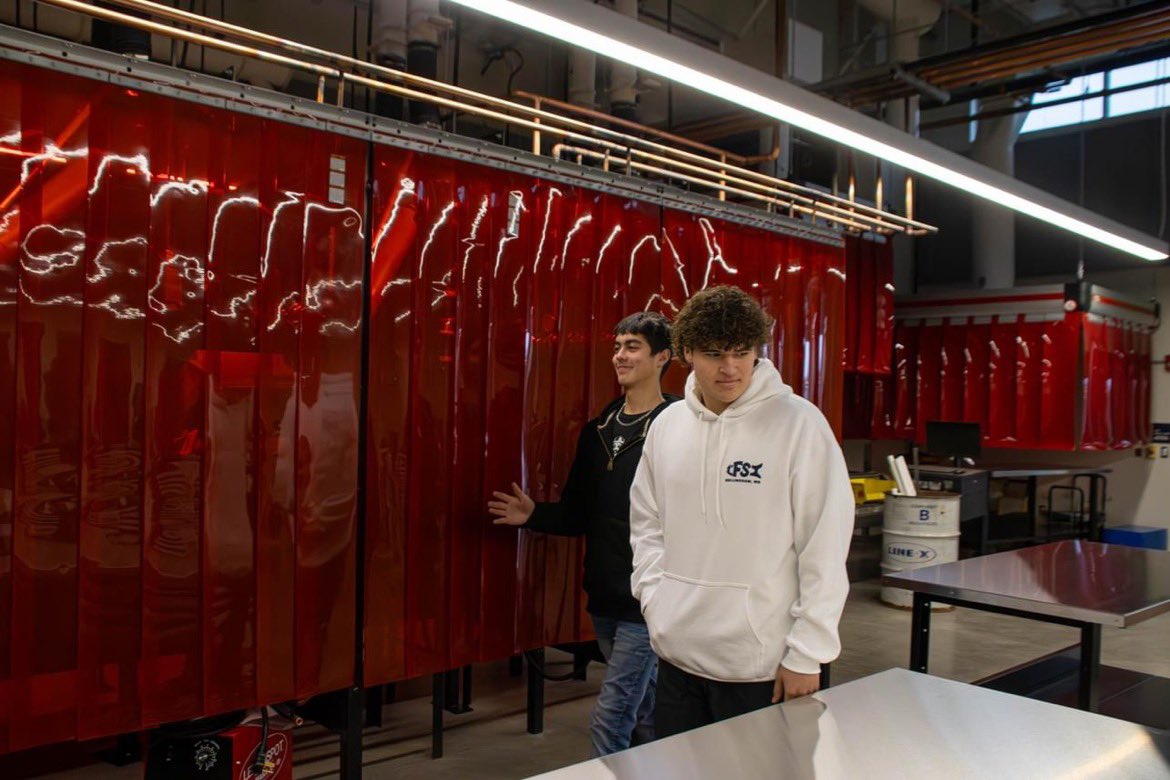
624 713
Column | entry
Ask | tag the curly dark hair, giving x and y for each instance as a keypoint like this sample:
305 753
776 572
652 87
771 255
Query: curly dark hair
721 317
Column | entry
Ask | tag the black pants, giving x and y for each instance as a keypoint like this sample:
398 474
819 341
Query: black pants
684 701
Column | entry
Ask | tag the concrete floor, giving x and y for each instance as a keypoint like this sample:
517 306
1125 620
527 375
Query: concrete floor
490 743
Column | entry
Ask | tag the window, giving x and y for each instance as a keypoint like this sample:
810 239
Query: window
1144 99
1130 100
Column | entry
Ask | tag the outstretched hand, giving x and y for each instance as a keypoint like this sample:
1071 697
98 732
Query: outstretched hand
512 509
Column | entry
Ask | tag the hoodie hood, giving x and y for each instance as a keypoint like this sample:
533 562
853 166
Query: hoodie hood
764 385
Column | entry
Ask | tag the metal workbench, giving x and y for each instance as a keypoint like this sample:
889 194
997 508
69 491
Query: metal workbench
897 724
1075 583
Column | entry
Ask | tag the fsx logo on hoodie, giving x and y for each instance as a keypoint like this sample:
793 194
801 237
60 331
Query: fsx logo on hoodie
742 471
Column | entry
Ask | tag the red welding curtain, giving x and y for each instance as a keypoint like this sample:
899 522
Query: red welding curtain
495 284
181 324
180 349
1018 377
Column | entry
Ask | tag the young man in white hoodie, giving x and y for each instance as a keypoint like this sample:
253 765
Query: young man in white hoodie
741 515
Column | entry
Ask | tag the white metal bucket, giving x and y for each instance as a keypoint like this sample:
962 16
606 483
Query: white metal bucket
907 551
930 513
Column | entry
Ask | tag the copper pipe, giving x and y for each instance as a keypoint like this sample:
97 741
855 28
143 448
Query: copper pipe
712 164
1123 26
601 116
1032 52
536 112
192 37
175 14
227 28
723 188
726 125
824 202
551 123
701 125
1062 57
998 112
770 156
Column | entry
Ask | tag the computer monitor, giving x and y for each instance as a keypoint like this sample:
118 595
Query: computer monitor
954 439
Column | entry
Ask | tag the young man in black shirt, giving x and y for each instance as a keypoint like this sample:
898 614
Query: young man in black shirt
595 503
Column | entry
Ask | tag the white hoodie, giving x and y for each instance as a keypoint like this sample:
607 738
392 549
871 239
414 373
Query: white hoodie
740 524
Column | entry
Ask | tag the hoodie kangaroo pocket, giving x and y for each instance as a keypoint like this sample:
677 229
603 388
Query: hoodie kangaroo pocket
704 628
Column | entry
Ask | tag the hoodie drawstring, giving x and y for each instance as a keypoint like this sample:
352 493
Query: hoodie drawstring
707 468
721 451
702 476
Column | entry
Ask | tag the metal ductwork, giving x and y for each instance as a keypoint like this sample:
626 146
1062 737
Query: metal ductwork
407 34
129 41
425 25
907 20
390 50
583 78
993 229
623 79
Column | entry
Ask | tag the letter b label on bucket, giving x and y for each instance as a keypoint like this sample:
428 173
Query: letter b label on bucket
923 515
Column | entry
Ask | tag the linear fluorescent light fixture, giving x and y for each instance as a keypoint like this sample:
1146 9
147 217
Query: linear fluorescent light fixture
589 26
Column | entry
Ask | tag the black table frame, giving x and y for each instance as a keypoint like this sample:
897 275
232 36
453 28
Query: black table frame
1088 692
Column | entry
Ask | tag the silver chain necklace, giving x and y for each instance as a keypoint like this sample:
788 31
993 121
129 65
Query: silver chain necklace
636 420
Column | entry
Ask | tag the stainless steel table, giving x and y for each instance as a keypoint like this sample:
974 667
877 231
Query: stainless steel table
897 724
1075 583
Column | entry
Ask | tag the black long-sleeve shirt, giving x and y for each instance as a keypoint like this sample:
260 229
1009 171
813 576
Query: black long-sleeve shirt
595 502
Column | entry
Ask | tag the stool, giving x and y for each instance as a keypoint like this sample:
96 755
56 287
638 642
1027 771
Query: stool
1136 536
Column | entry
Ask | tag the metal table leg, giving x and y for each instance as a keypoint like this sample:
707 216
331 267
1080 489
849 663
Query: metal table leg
1088 693
920 633
351 735
465 701
1033 510
457 691
437 697
375 701
535 691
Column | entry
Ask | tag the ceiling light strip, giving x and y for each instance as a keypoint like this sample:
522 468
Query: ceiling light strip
822 117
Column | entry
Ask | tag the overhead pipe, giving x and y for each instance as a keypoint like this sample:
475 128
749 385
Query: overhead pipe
868 217
622 145
1108 34
1054 46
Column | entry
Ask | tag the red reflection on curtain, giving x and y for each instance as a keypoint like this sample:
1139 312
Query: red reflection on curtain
1001 381
1095 384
